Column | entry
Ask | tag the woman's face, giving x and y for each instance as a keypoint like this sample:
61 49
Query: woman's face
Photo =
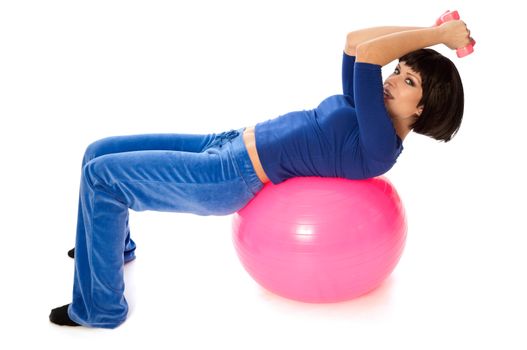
402 92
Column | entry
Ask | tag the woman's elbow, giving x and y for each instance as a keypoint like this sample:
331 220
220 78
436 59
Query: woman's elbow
364 53
361 51
351 44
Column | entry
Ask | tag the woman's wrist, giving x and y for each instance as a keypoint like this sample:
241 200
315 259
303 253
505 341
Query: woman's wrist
439 33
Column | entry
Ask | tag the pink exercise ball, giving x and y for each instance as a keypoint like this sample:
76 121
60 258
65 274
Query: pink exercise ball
320 239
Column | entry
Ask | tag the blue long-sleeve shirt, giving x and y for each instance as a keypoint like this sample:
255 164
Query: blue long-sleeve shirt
349 135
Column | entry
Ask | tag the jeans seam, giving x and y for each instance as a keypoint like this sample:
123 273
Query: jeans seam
180 182
239 171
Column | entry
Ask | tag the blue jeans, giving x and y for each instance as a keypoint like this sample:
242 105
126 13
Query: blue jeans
201 174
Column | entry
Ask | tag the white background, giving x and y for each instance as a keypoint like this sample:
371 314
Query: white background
72 72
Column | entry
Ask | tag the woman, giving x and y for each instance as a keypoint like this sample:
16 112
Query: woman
356 135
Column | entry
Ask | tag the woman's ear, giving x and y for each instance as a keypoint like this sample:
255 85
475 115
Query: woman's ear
419 111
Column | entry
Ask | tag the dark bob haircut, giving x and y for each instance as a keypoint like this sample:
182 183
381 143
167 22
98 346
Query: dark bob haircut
443 98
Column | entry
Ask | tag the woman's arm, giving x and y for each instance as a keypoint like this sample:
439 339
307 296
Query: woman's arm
353 39
384 49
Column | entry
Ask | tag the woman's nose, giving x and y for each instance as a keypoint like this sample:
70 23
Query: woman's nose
394 81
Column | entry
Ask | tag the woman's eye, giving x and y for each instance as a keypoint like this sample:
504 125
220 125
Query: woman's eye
396 71
409 82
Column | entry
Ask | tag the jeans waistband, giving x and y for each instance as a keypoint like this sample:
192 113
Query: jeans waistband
241 157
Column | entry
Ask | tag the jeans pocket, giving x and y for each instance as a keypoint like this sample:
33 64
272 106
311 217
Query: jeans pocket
224 137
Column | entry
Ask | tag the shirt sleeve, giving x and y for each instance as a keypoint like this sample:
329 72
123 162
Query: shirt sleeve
377 133
348 63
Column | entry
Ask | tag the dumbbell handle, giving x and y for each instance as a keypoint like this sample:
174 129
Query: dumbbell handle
454 15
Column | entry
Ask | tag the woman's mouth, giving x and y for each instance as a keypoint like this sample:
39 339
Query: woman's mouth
387 94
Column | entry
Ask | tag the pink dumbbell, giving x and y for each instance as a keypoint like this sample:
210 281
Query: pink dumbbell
454 15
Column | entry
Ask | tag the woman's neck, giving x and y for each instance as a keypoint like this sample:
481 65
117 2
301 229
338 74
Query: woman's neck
402 126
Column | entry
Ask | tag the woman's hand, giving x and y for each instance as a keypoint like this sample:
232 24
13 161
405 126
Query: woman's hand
455 34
